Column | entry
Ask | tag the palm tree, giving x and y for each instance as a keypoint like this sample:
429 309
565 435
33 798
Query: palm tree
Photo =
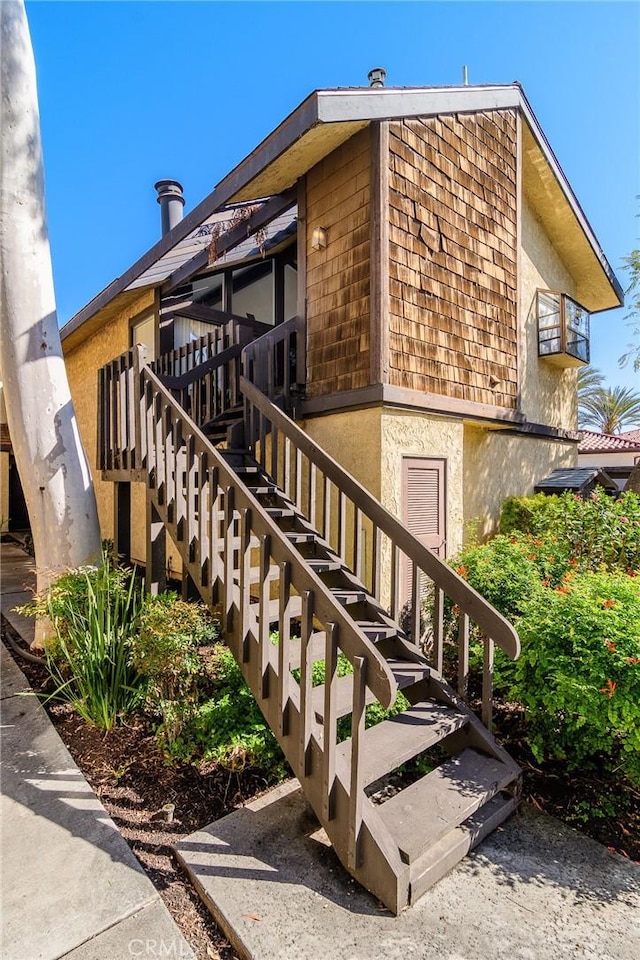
588 379
608 409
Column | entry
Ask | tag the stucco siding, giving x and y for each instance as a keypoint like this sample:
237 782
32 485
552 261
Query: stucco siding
82 365
547 393
499 465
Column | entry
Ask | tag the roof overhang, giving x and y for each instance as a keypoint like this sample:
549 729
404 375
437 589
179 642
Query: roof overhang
326 119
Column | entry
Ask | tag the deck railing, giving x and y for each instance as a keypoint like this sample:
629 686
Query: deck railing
276 363
374 543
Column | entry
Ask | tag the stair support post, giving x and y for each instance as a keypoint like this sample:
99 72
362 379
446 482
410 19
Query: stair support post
330 721
155 574
284 644
306 669
228 590
122 519
263 612
487 683
245 583
356 789
463 656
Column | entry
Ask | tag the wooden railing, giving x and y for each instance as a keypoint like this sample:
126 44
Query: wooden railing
374 544
118 444
229 541
276 363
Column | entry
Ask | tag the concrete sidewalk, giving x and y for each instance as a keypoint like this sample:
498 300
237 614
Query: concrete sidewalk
71 887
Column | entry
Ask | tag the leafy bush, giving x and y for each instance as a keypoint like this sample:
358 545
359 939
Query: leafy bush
599 531
93 611
228 726
579 672
166 649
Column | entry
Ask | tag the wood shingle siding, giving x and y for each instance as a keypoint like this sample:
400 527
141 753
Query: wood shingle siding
452 256
338 198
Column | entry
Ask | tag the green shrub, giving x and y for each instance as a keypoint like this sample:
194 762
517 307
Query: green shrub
504 571
93 611
596 532
579 672
228 726
166 649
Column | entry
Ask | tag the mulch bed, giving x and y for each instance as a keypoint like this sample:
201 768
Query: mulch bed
154 804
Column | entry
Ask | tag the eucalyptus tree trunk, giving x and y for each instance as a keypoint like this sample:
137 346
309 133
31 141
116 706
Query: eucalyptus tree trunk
46 443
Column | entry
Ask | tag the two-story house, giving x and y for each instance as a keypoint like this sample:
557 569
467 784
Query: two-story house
364 338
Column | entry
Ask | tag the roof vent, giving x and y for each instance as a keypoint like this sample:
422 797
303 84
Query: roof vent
171 203
377 77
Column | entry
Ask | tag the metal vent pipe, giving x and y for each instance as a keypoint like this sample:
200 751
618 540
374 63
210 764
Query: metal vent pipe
171 202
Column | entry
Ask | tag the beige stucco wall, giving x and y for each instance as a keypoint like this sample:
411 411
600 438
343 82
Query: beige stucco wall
547 393
351 437
83 364
407 433
499 465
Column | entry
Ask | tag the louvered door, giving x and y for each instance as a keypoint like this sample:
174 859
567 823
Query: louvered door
423 506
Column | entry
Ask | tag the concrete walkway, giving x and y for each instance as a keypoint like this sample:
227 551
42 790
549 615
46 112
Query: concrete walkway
71 887
533 890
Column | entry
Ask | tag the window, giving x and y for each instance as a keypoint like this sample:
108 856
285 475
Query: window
563 329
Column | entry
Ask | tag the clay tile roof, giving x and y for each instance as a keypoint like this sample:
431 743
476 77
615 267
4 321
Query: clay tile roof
608 443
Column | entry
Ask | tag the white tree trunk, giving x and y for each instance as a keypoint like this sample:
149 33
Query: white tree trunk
51 462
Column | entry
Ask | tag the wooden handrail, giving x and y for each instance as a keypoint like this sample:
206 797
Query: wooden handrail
198 373
352 641
458 590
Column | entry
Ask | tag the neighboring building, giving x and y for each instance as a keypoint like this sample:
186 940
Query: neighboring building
616 454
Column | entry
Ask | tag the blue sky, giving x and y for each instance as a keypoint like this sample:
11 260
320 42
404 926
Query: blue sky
133 92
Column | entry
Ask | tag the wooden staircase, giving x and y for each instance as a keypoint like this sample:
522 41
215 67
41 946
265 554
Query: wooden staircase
289 547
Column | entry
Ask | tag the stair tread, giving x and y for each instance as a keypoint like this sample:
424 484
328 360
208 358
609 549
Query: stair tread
322 565
423 813
393 742
405 673
448 851
346 596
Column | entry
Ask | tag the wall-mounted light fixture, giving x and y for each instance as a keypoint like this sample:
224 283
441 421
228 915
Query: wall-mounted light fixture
319 238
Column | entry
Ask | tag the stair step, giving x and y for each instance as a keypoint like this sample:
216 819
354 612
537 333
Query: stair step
277 512
427 810
261 489
295 536
393 742
377 631
446 853
347 597
322 565
405 673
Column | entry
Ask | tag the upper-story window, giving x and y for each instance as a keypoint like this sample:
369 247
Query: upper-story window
563 329
264 290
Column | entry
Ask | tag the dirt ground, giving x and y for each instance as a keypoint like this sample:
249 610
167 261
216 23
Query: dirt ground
154 804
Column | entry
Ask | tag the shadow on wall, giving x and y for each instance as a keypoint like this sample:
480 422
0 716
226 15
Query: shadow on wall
498 465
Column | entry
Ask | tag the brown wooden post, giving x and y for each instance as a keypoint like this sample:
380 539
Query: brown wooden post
122 520
156 573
